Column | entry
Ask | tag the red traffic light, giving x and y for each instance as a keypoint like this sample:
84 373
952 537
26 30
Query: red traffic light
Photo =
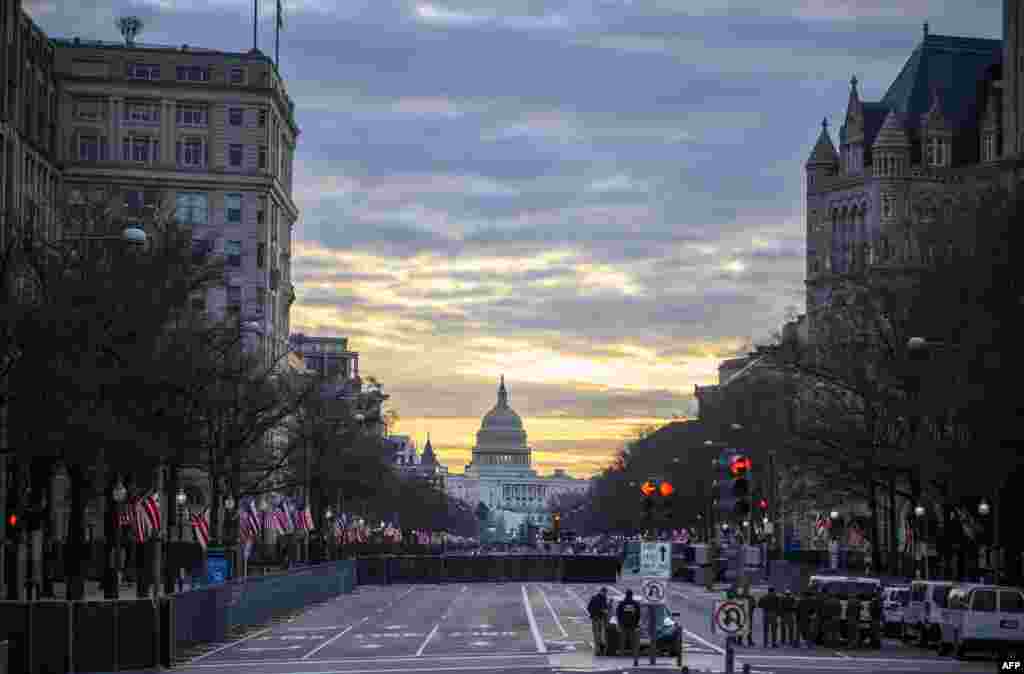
739 465
666 489
763 503
647 488
12 519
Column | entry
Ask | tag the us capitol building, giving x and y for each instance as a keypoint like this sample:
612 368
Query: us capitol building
500 475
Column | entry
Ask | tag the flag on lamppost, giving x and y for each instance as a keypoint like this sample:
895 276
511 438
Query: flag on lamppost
201 526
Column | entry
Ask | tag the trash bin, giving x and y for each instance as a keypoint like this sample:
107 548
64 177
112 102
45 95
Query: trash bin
218 566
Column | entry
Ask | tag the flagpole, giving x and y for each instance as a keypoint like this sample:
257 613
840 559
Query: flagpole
277 39
255 21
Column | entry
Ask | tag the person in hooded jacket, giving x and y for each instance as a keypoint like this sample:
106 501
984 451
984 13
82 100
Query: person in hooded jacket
787 613
598 610
628 615
769 606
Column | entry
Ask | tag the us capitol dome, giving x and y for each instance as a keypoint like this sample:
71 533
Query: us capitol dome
500 474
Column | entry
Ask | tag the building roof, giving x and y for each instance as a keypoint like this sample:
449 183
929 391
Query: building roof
428 458
949 65
892 133
824 151
146 46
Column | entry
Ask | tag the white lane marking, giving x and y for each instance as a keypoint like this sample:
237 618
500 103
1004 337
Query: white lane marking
541 648
554 616
268 648
842 655
337 636
382 658
425 668
707 643
326 627
426 641
370 646
826 658
227 646
395 627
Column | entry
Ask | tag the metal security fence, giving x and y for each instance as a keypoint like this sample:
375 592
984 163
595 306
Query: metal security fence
47 637
494 569
216 612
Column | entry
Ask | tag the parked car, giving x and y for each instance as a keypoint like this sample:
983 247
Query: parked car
983 617
894 601
667 630
923 611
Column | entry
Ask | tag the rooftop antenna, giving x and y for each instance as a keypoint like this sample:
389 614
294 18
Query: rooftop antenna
129 26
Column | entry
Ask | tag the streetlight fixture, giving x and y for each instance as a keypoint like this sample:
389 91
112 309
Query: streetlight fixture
984 508
118 494
181 498
229 503
919 513
834 515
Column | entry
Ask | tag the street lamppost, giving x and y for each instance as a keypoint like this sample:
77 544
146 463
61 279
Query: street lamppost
984 508
118 494
919 512
181 499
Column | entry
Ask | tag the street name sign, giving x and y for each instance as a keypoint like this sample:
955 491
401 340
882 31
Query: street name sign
654 590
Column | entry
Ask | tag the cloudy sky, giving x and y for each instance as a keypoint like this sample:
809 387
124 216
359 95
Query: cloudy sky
598 198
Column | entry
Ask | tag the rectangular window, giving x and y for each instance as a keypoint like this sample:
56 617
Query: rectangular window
191 208
233 252
263 157
143 71
263 118
88 148
1011 601
237 75
140 149
193 74
233 207
888 206
142 112
191 153
191 115
235 155
261 254
235 116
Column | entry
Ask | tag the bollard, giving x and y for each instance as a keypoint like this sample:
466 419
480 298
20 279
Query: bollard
653 628
730 657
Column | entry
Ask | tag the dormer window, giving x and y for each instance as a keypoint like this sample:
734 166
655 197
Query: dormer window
988 147
937 152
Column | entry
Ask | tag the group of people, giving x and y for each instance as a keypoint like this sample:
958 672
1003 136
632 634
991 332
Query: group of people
628 615
789 619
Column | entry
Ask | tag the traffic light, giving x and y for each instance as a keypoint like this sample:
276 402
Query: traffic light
763 504
13 525
739 467
556 526
724 500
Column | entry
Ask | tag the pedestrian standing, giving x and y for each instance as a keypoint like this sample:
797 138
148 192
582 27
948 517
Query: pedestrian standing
629 619
804 606
751 604
875 608
831 609
598 610
769 605
787 615
853 621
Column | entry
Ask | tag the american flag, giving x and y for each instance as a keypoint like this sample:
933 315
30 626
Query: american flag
282 521
151 504
139 519
201 526
248 521
305 519
822 524
339 529
124 518
292 514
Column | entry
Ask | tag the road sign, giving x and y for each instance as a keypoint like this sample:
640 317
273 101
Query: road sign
653 590
647 560
730 617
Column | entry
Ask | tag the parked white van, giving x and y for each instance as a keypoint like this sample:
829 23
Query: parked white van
983 617
921 616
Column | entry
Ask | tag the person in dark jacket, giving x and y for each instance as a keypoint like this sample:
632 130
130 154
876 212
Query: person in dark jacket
831 609
628 615
875 604
787 617
804 611
853 621
598 610
751 604
769 606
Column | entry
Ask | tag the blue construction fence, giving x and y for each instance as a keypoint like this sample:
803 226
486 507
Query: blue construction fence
384 570
46 637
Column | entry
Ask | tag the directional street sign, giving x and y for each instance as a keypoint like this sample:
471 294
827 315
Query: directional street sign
730 617
653 590
647 560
